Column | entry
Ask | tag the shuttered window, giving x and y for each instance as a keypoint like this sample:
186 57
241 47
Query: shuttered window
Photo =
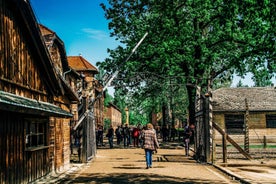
270 121
234 124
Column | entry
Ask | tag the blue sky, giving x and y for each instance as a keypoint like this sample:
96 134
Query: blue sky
81 25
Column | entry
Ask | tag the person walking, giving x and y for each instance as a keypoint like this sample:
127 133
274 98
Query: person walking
150 143
165 133
118 133
126 136
100 135
187 135
173 134
135 136
110 136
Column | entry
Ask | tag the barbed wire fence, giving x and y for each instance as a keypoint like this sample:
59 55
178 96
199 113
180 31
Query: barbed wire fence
261 147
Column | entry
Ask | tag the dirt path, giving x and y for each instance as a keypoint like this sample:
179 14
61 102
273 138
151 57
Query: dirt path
128 166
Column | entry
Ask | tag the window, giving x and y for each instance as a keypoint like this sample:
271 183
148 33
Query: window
271 121
35 133
234 124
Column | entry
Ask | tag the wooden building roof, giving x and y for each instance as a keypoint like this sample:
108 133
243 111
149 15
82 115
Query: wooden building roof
23 17
110 104
233 99
29 23
21 104
51 39
78 63
45 30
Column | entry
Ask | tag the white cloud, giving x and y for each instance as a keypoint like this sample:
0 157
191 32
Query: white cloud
95 34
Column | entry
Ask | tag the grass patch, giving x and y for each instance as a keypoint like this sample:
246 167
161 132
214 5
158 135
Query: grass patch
252 146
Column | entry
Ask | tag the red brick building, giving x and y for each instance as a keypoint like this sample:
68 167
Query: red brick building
114 114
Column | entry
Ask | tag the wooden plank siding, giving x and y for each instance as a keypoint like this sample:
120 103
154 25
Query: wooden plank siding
60 138
18 71
17 164
27 73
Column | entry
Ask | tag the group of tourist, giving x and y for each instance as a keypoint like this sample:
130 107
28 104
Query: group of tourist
168 133
129 135
142 136
124 134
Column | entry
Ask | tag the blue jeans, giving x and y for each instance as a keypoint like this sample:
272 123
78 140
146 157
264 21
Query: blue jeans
126 141
148 157
110 140
187 142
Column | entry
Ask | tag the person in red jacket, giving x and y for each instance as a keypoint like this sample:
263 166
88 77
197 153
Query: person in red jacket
135 136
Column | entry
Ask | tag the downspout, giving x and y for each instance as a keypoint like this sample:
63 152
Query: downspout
67 72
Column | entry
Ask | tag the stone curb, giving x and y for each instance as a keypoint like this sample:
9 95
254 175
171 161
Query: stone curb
234 176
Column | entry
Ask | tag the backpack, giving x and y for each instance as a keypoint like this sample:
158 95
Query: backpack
187 132
117 131
126 131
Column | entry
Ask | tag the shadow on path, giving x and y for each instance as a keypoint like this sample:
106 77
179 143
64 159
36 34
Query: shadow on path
121 178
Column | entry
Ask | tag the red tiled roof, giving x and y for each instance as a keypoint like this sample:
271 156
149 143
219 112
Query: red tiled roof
78 63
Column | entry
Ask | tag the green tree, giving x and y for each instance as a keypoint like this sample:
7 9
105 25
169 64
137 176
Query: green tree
107 98
240 84
261 74
193 41
120 102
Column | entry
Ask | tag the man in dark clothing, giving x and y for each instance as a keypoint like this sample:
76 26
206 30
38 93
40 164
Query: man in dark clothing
173 134
100 135
165 133
118 133
126 135
110 135
187 135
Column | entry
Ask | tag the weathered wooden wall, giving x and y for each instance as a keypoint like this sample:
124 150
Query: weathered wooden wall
19 165
257 126
62 144
19 73
22 73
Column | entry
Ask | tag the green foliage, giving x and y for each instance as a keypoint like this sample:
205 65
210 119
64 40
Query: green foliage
120 102
136 118
107 123
190 42
261 74
108 99
240 84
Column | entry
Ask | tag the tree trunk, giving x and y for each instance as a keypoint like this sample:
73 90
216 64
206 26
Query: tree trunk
191 107
165 114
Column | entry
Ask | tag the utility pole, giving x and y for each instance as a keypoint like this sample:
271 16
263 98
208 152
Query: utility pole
132 52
